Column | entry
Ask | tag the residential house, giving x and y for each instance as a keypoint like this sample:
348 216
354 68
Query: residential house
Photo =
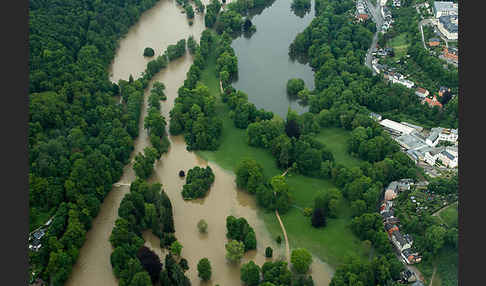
362 17
432 102
434 42
390 228
387 215
421 92
410 256
451 54
399 241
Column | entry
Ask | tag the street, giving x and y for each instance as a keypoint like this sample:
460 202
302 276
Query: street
376 15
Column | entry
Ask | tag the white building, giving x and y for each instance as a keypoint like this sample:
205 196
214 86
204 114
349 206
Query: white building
450 135
396 127
444 8
431 157
448 26
433 138
448 159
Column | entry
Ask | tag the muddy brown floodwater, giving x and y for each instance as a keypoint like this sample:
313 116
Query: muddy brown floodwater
160 26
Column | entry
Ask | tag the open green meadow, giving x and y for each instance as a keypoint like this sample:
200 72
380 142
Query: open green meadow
331 243
399 45
449 215
336 140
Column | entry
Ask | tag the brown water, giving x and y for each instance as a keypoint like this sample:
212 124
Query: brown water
159 27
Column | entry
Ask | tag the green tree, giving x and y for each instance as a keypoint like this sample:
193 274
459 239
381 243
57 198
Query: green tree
234 251
148 52
294 85
250 274
301 260
268 252
141 279
435 238
176 248
204 269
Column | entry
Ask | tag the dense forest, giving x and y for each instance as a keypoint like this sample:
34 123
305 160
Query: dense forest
79 137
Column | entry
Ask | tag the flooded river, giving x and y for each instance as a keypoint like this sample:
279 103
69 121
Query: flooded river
159 27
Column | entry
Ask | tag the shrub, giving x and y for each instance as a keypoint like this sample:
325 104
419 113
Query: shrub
202 225
268 252
148 52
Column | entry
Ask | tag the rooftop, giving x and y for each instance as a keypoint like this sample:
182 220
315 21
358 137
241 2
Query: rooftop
396 126
444 6
410 142
449 22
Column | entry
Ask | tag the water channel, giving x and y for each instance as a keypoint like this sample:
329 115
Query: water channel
264 65
160 26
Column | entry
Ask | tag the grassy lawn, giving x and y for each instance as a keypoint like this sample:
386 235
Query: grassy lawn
399 45
449 215
336 139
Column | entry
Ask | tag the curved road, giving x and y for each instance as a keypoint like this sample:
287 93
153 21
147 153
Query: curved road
378 19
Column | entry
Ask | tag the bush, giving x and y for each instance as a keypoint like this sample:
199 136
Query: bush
148 52
279 239
202 225
307 212
268 252
204 269
294 85
301 260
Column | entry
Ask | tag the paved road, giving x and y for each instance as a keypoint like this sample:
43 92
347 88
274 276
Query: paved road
377 18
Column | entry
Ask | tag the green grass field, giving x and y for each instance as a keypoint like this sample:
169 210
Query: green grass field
450 215
331 243
399 45
336 139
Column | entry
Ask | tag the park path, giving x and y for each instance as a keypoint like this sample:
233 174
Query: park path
287 246
433 276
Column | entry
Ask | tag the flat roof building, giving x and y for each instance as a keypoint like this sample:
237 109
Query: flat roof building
396 127
442 8
410 142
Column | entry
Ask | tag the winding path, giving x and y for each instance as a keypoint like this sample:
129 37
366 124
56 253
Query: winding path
287 246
